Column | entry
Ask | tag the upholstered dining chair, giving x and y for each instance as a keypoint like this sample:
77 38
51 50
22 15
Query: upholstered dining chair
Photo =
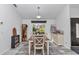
39 43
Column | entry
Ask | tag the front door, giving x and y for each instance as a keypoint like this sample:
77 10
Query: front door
74 32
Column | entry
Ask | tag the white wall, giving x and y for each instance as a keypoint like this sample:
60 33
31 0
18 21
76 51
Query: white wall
74 12
63 23
10 19
47 26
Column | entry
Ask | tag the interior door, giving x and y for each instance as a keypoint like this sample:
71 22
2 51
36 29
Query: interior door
74 31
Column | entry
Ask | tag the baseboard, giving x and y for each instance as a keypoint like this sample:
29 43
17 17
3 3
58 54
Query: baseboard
4 51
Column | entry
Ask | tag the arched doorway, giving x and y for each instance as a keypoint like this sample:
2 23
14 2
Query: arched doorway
24 32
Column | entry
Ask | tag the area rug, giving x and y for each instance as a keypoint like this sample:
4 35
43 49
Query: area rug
53 50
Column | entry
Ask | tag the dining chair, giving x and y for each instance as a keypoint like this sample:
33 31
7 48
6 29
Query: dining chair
32 43
39 44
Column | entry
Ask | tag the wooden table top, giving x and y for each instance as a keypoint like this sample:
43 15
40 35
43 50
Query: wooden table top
31 38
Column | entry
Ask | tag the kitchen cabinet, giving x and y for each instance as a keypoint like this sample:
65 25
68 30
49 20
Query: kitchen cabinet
57 38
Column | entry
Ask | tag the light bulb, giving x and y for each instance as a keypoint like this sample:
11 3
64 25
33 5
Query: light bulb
38 16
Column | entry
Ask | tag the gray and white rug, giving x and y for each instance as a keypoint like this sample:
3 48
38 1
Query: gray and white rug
22 49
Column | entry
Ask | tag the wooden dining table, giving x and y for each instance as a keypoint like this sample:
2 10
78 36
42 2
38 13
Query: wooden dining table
46 41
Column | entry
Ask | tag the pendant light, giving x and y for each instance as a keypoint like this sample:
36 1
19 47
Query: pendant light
38 16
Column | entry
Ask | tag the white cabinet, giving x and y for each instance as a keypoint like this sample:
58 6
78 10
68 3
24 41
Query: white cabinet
57 38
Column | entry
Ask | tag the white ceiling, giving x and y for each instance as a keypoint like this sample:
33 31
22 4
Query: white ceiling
47 11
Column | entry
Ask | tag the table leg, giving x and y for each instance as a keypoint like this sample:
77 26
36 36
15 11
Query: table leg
29 47
48 48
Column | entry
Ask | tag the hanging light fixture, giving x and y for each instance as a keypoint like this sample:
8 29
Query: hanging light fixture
38 16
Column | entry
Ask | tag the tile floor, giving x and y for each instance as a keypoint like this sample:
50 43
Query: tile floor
22 49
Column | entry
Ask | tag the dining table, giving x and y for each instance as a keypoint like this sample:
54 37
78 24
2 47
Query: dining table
46 41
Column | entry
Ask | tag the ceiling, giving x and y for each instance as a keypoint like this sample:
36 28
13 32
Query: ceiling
47 11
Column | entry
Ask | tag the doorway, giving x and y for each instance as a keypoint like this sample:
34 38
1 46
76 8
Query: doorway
75 34
24 32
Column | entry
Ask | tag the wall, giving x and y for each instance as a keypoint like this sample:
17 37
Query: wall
63 23
10 19
47 26
74 12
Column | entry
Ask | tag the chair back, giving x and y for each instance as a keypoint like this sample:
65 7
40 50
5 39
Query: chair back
39 41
